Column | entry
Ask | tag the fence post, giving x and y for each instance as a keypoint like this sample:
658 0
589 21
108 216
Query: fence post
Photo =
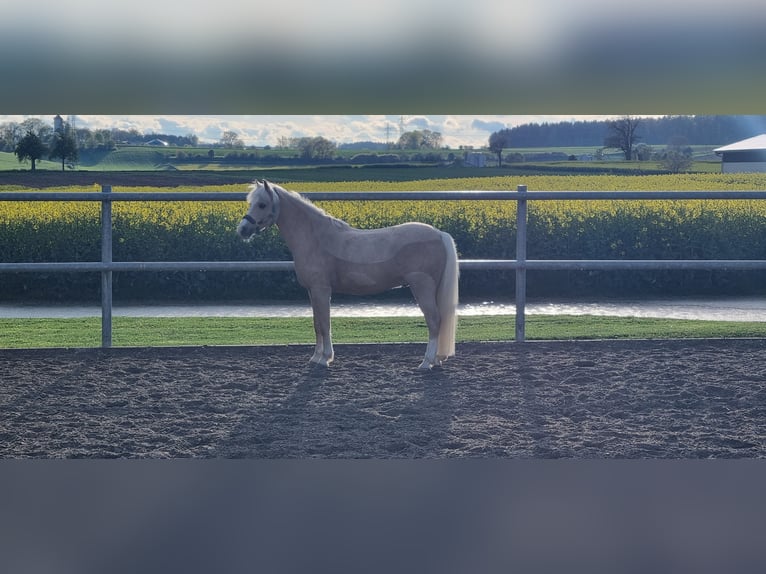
106 275
521 262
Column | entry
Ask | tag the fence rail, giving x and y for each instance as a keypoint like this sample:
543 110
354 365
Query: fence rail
521 264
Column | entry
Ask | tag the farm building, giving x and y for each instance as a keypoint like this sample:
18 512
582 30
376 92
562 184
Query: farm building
748 155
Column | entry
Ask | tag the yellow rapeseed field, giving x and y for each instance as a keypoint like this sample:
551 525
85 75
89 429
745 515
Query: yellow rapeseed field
63 231
370 214
622 225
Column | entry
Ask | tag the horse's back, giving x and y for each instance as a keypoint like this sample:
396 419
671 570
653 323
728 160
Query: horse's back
365 246
366 261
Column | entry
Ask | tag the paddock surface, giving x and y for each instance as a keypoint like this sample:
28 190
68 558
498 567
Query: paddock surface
586 399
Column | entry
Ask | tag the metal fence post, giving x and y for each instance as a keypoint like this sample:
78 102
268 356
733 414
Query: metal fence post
521 261
106 275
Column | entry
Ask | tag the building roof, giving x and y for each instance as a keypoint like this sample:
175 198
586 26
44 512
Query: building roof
750 144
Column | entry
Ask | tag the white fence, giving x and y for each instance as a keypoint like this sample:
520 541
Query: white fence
521 264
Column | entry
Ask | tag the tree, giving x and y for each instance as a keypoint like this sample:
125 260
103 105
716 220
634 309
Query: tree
231 139
64 146
499 140
316 148
622 135
10 135
432 140
643 152
101 139
37 127
676 160
419 139
30 147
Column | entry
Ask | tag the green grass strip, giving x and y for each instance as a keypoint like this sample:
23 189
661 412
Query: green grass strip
133 331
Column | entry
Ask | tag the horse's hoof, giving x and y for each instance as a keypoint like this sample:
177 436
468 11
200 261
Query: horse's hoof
424 366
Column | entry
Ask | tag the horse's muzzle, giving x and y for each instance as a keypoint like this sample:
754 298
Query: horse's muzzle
246 230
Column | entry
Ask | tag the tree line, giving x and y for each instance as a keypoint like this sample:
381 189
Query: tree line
105 139
698 130
34 139
320 148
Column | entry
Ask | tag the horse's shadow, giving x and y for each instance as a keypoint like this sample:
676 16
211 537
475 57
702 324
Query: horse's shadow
340 412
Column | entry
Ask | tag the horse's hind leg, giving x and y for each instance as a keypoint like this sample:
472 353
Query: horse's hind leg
320 306
424 290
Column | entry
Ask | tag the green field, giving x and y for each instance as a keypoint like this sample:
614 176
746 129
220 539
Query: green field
150 158
139 332
9 161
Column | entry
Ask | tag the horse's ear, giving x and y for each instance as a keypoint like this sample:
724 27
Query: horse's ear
268 188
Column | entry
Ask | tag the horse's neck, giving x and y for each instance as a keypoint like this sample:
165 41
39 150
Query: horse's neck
298 222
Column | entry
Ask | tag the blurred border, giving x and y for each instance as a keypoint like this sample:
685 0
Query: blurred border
338 57
382 516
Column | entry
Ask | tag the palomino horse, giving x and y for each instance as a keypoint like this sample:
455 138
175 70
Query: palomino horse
330 255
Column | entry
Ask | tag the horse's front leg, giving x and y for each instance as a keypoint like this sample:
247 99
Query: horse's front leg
320 306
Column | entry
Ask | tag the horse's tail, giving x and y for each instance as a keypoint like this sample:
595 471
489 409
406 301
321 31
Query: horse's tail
447 298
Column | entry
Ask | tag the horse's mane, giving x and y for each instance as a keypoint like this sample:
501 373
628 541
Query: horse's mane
312 207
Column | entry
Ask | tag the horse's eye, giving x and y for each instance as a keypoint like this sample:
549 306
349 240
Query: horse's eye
261 205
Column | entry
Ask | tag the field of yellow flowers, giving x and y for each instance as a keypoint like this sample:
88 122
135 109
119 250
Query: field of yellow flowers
177 231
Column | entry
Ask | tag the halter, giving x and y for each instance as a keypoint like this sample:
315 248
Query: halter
274 215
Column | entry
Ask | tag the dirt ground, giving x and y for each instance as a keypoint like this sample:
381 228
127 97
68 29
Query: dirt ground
594 399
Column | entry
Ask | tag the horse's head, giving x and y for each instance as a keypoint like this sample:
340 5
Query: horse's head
262 211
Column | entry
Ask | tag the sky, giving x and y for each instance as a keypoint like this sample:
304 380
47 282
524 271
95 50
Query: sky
260 130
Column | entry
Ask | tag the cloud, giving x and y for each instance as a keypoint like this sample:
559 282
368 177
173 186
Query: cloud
172 126
419 123
487 126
